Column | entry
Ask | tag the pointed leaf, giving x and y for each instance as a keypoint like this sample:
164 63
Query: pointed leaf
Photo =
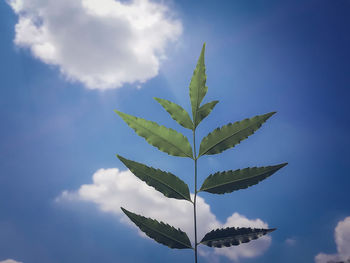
177 113
165 139
204 111
198 89
160 232
232 236
168 184
229 181
230 135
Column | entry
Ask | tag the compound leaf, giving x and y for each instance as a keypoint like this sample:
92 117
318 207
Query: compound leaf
204 111
160 232
177 113
198 89
168 184
232 236
229 181
229 135
165 139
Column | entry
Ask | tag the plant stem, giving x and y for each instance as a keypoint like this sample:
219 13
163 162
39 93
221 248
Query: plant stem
195 195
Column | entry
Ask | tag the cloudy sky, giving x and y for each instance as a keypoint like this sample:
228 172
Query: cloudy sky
66 65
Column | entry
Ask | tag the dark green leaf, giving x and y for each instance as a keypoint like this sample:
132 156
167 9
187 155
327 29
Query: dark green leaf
229 181
204 111
177 113
166 183
165 139
232 236
229 135
160 232
198 89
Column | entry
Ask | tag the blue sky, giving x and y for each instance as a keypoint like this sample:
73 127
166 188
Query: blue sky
58 127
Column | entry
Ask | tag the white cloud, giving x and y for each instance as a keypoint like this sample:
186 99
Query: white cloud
342 239
290 241
10 261
101 43
112 188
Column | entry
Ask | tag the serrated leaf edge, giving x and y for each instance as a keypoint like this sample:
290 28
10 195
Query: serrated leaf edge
161 182
181 108
227 137
243 179
214 102
269 230
122 113
159 222
199 63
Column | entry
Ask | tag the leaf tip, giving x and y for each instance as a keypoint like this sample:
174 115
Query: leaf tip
201 57
126 212
280 166
284 164
119 157
271 230
268 115
118 112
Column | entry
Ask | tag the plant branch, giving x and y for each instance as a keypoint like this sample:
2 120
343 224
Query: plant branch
195 195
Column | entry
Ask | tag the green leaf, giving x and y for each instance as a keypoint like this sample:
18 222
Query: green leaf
177 113
232 236
198 89
165 139
229 181
160 232
229 135
168 184
204 111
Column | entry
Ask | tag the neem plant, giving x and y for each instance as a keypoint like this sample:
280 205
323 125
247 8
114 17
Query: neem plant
176 144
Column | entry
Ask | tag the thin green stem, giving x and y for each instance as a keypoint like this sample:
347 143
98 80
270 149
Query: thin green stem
195 196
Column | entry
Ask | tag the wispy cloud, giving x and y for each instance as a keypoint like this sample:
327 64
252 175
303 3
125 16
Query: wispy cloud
101 43
10 261
112 188
290 241
342 239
